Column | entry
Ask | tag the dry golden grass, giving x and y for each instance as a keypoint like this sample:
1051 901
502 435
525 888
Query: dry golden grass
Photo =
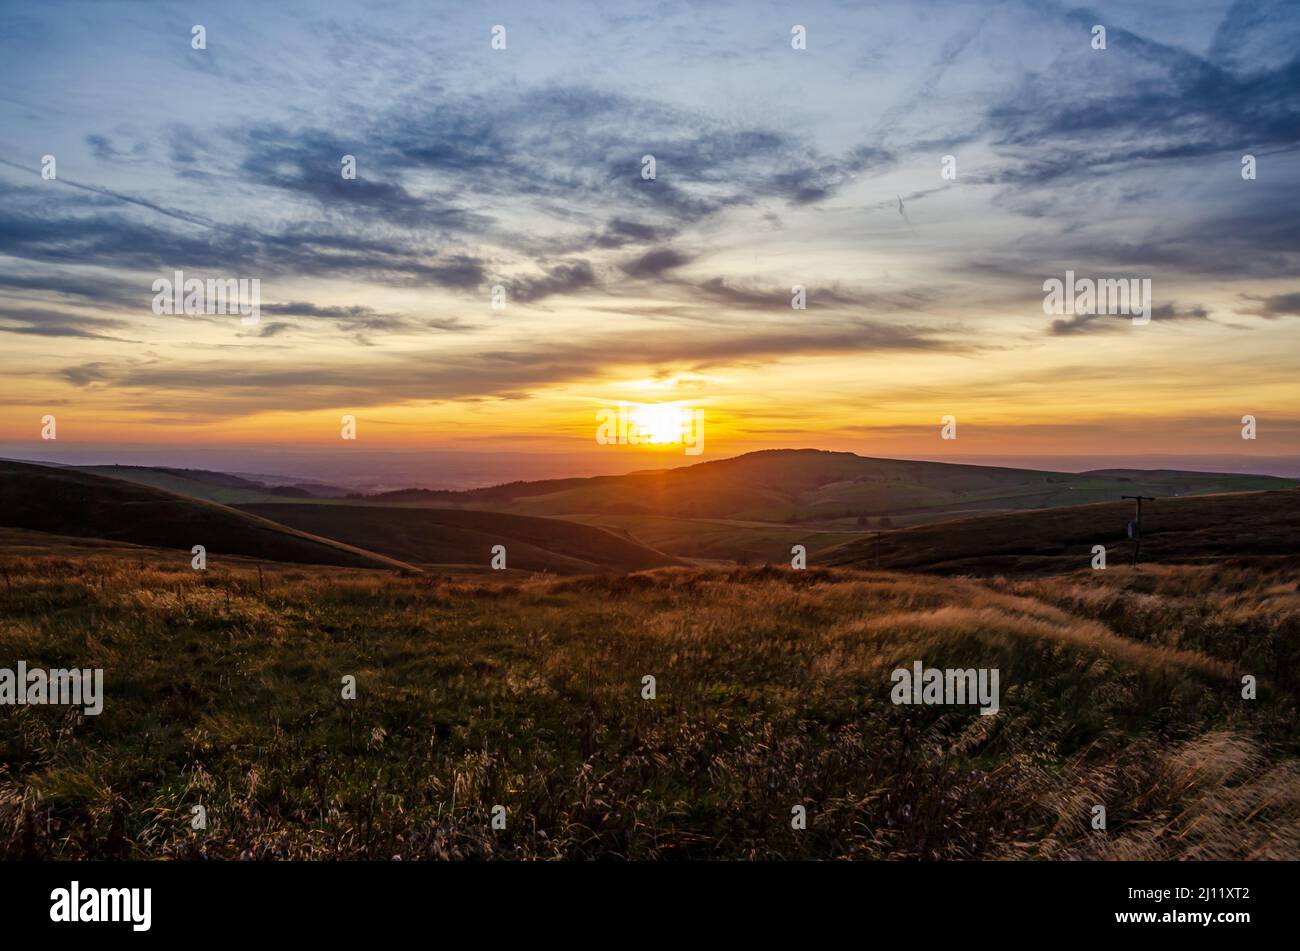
773 690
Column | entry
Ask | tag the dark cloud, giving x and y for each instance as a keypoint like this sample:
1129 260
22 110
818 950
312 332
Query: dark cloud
309 163
567 278
1108 323
653 263
355 318
86 373
1145 101
114 240
494 374
1279 305
1093 136
101 148
570 144
620 232
38 322
832 297
78 283
810 183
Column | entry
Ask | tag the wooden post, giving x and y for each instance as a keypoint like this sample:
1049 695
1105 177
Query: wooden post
1137 525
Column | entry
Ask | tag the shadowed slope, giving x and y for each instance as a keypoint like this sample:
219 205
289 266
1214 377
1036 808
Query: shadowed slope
65 502
454 537
1185 530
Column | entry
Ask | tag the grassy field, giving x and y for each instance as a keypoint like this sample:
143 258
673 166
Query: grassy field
223 689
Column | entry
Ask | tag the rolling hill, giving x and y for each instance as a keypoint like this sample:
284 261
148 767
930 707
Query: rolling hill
810 486
1183 530
744 508
199 483
63 501
751 508
465 537
717 540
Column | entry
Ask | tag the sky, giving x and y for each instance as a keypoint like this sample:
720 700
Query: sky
522 169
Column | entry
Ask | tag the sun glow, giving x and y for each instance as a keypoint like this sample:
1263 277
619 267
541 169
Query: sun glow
660 424
652 426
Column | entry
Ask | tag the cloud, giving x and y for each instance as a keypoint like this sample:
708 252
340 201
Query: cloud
178 214
1108 323
355 319
468 374
48 323
113 240
79 283
86 373
101 148
567 278
653 263
1278 305
620 232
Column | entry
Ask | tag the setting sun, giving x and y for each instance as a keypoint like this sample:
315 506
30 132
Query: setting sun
653 426
660 423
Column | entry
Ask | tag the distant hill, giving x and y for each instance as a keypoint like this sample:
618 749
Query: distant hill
802 486
195 483
747 507
1182 531
222 487
65 501
718 540
455 537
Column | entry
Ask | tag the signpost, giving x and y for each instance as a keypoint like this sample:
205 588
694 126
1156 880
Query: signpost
1135 526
